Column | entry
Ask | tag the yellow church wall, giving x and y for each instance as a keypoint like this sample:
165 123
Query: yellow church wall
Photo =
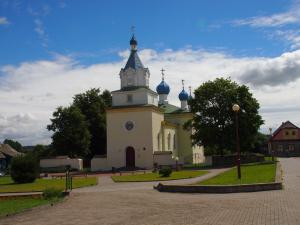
146 123
186 151
168 145
157 119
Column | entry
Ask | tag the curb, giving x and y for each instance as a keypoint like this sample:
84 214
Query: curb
222 189
218 189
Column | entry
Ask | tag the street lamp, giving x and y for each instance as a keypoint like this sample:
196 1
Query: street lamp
236 109
176 158
176 161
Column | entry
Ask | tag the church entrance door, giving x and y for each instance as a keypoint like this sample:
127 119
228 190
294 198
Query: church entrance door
130 157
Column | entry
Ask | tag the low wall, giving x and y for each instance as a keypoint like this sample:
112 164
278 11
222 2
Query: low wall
218 189
59 162
163 159
99 164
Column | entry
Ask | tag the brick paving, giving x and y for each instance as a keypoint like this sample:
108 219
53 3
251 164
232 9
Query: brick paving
138 204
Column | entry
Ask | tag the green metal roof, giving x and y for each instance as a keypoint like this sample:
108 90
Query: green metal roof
168 108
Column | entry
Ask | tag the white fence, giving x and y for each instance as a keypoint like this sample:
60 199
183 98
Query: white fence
57 162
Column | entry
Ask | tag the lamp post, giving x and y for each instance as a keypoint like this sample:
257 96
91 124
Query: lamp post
176 158
236 109
176 162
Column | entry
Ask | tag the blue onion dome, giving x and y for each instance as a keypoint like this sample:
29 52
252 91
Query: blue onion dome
183 95
190 97
163 88
133 41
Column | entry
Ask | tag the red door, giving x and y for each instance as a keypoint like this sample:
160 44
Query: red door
130 157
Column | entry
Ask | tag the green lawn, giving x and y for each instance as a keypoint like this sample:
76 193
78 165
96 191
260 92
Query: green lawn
12 206
7 184
156 177
251 174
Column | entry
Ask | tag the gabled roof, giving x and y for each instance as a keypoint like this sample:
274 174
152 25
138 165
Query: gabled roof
7 150
284 125
134 61
2 156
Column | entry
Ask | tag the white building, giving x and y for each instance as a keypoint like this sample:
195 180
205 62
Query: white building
143 129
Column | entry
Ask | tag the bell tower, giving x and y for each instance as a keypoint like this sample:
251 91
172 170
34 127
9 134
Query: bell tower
134 78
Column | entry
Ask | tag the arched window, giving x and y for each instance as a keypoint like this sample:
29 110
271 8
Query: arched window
174 141
158 142
169 141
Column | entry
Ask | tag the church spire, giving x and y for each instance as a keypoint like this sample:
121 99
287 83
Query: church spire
134 74
134 61
133 41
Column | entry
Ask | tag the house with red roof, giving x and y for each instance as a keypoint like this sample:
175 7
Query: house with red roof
285 141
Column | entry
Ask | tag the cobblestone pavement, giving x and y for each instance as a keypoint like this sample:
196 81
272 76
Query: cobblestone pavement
141 206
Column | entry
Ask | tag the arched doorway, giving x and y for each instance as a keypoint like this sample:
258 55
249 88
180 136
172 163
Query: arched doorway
130 157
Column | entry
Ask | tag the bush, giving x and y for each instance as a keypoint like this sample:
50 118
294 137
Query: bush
165 171
51 193
24 169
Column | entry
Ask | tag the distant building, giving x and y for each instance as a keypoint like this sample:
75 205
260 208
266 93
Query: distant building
285 141
6 154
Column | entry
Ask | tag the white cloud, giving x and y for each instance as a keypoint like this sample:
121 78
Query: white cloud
291 36
31 91
40 30
276 20
4 21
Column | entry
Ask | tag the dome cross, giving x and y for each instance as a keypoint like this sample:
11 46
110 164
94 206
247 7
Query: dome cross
162 73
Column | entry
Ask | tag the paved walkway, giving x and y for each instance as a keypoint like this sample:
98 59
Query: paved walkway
136 204
105 183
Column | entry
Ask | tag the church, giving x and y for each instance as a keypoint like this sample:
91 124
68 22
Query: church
143 129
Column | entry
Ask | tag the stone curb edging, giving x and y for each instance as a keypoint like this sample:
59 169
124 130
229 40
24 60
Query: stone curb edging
218 189
277 185
26 195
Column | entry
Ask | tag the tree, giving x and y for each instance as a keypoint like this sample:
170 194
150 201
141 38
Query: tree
92 104
14 144
24 169
214 120
71 135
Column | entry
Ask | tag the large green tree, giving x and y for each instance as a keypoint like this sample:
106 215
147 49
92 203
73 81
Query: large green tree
71 135
92 104
214 120
14 144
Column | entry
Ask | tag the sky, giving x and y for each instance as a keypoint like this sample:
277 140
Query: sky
52 50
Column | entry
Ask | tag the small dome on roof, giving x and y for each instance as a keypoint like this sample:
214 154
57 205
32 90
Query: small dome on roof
163 88
133 41
183 95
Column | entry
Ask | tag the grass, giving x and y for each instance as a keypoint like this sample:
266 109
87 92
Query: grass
12 206
7 184
251 174
156 177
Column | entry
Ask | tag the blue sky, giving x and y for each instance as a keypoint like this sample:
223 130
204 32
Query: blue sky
94 31
52 50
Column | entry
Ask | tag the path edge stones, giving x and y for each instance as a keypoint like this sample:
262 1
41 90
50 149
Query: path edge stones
215 189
